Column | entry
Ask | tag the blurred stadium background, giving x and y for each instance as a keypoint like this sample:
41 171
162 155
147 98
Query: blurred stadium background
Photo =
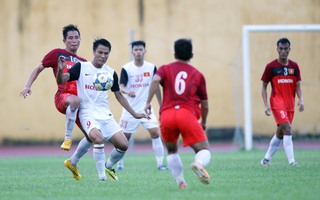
31 28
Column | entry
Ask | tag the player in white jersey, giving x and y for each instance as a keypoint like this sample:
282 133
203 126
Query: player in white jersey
135 79
95 115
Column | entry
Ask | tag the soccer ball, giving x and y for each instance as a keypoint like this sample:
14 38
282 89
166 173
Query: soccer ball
103 80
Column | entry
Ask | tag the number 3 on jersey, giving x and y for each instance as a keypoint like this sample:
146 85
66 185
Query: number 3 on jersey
180 83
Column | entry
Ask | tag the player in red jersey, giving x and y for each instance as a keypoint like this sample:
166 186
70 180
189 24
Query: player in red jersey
184 89
66 99
284 75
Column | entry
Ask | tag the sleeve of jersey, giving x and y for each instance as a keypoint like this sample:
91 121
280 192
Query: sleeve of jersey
123 77
298 74
74 71
115 87
266 76
154 70
160 72
50 59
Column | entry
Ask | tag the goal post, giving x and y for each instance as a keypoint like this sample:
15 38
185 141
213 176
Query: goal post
246 30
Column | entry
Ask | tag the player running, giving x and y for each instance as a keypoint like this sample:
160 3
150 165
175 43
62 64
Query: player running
184 102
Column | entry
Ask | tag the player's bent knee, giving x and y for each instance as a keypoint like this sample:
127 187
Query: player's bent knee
74 101
121 150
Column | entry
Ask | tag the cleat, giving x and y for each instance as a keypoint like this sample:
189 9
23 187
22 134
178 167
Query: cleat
111 174
73 169
182 185
294 163
66 145
201 173
163 167
265 162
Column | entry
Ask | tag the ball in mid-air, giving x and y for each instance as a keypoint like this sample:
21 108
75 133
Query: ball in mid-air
103 80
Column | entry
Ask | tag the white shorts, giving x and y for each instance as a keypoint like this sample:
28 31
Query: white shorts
129 124
108 127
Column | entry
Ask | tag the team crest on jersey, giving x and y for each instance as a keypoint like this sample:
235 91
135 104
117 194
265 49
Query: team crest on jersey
291 71
146 74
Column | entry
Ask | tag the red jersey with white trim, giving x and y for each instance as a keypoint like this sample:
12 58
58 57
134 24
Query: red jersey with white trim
51 60
283 84
183 86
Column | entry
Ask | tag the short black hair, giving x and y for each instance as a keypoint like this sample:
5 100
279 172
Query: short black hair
101 41
183 49
283 41
70 27
138 43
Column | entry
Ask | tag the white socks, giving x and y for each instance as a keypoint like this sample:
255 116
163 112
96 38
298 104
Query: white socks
157 147
288 147
176 167
273 147
71 116
203 157
275 144
115 156
100 159
82 148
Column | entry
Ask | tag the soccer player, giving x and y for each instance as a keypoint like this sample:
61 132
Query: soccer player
94 113
184 102
284 75
135 80
66 100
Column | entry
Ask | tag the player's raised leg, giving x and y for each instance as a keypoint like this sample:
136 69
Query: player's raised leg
73 103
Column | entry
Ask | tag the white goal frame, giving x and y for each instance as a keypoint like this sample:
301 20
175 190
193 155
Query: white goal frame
246 30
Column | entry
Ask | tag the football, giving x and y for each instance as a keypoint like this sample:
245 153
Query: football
103 80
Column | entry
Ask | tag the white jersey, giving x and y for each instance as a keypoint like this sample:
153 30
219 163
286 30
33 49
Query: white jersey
93 103
139 81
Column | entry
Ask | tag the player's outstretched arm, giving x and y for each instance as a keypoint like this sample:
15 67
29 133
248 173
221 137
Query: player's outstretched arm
124 90
33 76
124 103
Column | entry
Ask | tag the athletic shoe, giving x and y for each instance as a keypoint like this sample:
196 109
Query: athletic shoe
265 162
73 169
120 167
182 185
200 172
66 145
294 163
102 179
111 174
163 167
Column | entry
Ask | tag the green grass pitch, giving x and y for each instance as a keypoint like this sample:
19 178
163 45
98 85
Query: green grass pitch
235 175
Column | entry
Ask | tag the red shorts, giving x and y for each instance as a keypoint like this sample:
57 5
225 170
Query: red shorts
60 101
282 116
174 122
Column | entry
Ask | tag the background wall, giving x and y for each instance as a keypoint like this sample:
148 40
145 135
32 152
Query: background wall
31 28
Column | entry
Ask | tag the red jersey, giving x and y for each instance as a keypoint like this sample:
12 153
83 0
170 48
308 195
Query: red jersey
51 60
183 86
283 84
